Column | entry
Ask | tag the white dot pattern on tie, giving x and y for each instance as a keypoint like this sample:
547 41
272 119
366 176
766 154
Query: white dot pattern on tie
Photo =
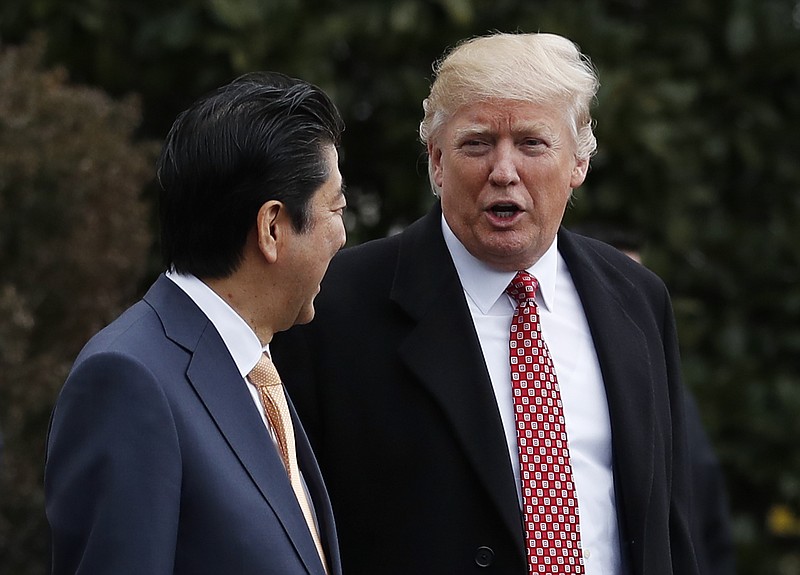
550 504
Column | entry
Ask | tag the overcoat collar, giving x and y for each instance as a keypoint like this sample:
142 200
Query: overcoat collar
216 380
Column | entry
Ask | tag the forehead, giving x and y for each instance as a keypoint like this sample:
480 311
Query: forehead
331 156
331 188
513 115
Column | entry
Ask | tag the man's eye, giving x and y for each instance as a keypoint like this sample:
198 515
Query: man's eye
473 145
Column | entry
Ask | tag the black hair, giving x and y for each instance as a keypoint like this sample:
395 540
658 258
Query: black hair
261 137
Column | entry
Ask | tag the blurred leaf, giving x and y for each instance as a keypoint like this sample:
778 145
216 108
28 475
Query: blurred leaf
74 241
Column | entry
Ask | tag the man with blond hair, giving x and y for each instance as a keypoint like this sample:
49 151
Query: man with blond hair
486 390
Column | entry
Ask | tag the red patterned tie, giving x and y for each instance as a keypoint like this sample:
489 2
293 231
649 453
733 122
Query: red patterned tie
550 505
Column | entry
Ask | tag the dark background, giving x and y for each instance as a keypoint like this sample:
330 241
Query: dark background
697 118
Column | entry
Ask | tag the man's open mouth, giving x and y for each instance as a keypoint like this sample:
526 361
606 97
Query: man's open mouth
504 210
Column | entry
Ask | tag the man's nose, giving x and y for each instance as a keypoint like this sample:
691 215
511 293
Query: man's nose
504 169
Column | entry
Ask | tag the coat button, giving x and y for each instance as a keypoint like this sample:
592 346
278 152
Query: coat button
484 556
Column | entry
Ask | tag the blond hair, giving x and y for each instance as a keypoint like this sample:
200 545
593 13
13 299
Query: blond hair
539 68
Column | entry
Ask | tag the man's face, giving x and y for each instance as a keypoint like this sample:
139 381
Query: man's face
506 170
311 251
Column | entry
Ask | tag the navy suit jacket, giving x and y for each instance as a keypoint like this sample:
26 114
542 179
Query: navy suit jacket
390 381
158 461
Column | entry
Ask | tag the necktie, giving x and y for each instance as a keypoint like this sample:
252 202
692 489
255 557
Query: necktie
270 389
550 505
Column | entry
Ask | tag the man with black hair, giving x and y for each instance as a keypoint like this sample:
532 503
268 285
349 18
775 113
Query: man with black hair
173 447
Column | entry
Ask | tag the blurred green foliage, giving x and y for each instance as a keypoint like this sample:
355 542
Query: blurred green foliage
697 123
74 239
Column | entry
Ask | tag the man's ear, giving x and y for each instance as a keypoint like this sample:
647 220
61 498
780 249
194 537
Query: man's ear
579 173
435 163
269 226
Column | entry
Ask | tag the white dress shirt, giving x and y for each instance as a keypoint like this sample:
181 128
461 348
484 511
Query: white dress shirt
585 407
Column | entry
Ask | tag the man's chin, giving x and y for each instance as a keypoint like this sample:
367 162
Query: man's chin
306 315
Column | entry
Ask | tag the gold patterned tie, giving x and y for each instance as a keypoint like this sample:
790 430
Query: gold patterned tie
270 389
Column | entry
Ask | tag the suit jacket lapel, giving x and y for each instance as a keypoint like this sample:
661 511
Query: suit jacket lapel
215 378
625 365
316 488
444 352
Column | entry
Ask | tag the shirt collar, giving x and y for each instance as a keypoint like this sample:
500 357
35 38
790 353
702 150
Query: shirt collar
485 285
241 341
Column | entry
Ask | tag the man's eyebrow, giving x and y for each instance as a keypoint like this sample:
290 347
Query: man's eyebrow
520 127
471 130
531 126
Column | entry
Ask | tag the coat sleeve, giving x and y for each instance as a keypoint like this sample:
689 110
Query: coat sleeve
113 471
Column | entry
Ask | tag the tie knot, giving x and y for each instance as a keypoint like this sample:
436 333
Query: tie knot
264 373
523 288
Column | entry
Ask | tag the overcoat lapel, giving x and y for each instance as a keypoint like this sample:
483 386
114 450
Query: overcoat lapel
625 364
215 378
443 351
